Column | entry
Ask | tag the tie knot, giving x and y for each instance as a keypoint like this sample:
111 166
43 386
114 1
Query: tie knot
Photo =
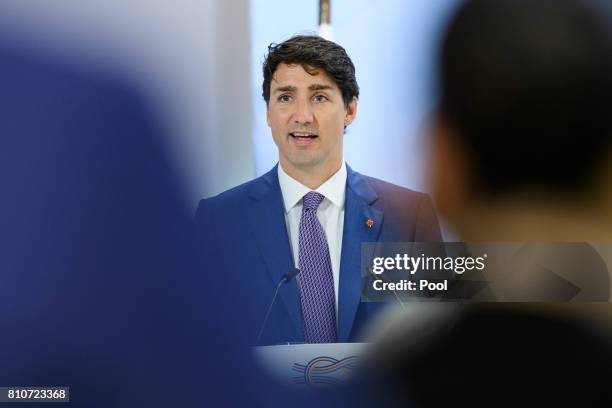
312 200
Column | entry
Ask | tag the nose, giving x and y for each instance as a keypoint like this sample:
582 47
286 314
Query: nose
303 113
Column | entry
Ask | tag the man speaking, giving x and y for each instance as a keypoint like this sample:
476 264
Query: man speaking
309 214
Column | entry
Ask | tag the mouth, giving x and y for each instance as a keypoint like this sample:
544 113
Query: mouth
303 138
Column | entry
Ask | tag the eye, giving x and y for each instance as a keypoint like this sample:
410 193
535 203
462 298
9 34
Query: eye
284 98
320 98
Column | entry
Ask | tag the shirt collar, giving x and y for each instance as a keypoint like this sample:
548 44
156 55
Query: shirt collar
334 189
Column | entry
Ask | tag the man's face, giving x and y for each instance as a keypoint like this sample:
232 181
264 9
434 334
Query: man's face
307 117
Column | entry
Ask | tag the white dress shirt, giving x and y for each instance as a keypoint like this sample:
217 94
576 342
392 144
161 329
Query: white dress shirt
330 214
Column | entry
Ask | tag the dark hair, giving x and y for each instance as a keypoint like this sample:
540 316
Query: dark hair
527 85
312 53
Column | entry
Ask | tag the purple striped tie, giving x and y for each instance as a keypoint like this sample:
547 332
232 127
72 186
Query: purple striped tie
316 281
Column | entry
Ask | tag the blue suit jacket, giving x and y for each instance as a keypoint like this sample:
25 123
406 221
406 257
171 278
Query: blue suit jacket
246 246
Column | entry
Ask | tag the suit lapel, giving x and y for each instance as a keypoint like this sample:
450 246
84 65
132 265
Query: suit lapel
266 216
362 223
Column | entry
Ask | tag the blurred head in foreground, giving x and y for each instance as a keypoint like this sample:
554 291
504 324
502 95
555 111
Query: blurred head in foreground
522 132
101 288
520 147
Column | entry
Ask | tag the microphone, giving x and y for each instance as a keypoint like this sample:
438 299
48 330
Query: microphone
286 278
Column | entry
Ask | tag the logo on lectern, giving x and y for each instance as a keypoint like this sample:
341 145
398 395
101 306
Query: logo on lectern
324 371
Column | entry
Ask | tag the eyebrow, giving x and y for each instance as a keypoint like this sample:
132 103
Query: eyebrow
319 87
291 88
286 88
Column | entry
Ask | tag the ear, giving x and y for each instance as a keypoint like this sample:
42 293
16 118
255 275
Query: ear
450 172
351 112
268 116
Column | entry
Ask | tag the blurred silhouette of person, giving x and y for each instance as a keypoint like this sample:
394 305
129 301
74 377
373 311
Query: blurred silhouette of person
101 289
522 134
521 140
521 144
89 200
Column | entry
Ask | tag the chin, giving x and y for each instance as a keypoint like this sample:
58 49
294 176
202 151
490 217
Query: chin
304 160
